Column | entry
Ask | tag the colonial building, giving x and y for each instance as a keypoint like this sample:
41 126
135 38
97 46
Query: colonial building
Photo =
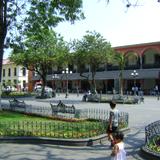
147 67
15 76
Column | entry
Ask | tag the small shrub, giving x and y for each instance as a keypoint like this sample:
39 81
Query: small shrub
16 94
154 144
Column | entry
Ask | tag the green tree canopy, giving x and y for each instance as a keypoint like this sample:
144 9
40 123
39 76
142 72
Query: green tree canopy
37 47
41 52
93 50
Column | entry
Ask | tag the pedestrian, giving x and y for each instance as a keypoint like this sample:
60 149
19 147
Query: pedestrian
113 122
156 90
86 94
118 151
133 90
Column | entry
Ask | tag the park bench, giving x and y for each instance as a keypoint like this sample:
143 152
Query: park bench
16 104
62 108
127 100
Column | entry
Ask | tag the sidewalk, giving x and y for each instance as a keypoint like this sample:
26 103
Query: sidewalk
55 152
140 115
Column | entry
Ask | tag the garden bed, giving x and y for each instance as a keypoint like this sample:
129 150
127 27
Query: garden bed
152 149
18 124
23 128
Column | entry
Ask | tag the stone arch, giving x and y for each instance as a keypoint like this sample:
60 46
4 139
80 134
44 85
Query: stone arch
151 58
155 49
132 61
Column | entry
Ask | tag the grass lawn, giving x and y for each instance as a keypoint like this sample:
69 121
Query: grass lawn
6 116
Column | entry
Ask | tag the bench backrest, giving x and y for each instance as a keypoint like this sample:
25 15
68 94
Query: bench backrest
16 103
62 108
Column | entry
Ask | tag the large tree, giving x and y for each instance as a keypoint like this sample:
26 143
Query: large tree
8 12
92 50
35 41
9 9
40 53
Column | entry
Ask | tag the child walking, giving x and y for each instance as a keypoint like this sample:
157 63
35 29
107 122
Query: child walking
118 151
113 122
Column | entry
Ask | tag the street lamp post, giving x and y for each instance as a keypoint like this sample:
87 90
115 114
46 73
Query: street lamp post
54 77
134 74
66 72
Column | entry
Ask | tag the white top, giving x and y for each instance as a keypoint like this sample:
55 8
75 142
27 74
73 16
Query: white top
114 113
121 155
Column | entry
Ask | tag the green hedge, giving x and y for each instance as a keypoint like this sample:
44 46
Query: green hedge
154 144
16 94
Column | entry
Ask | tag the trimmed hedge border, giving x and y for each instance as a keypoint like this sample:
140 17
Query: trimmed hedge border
56 141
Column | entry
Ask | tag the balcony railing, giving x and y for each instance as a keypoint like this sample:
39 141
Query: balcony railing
145 66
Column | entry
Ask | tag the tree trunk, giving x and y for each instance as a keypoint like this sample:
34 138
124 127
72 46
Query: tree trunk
43 85
1 62
121 83
3 32
93 84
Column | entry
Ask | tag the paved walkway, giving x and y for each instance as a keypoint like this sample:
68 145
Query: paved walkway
139 116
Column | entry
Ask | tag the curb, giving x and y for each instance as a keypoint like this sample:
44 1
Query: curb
144 152
56 141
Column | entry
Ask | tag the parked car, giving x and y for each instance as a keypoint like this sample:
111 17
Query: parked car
48 92
9 88
38 86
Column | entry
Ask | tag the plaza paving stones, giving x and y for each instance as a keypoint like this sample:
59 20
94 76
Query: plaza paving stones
140 115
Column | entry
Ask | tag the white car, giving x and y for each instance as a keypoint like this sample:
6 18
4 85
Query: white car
48 93
9 88
38 86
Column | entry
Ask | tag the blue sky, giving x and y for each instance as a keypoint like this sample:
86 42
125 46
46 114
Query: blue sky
117 24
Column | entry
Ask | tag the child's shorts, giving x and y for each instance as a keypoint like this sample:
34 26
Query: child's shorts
113 130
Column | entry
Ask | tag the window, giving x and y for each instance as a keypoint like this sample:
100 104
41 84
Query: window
24 71
9 72
24 84
157 59
4 74
15 71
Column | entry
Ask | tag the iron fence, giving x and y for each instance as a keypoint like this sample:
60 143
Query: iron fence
52 129
90 113
152 130
103 114
63 129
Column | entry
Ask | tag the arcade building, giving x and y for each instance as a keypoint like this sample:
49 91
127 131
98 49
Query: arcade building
146 67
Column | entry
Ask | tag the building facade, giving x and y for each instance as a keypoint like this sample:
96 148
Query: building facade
147 66
14 76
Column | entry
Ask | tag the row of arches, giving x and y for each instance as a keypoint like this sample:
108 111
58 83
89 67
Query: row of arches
149 58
